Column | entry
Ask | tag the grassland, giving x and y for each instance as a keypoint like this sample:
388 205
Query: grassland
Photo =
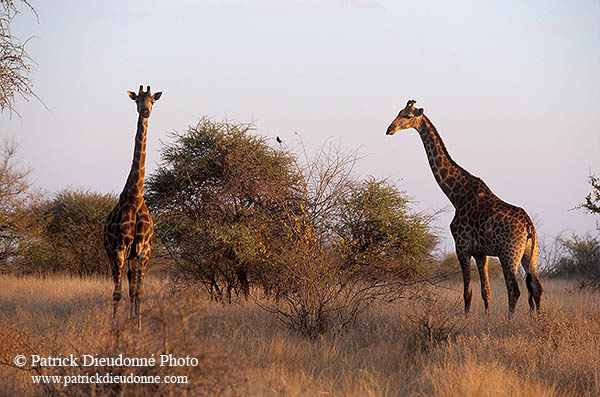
420 348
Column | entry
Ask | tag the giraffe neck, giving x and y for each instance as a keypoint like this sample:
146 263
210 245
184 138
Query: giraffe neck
451 177
134 188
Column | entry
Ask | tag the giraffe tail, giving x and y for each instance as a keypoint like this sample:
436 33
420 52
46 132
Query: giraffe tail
532 280
532 234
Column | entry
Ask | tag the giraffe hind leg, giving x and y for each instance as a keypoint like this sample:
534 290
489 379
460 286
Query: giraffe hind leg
509 269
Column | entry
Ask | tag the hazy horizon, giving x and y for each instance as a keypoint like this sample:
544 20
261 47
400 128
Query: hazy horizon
513 89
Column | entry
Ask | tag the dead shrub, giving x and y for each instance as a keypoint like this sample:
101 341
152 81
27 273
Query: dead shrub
434 321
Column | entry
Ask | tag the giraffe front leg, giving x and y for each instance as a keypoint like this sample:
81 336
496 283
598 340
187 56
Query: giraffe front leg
465 265
482 266
139 292
117 269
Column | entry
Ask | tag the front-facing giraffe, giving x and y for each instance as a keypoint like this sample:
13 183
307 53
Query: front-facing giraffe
483 224
128 230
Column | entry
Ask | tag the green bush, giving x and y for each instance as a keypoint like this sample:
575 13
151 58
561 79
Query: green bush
384 233
71 240
580 258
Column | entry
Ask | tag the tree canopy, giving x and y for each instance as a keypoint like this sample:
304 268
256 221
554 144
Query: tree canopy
218 189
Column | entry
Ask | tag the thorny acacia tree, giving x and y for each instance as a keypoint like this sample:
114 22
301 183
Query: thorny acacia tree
348 244
15 62
218 189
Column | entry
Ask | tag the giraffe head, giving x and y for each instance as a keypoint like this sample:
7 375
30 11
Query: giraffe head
409 117
144 100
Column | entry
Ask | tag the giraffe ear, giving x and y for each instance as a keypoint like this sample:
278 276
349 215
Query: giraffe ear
418 112
157 95
132 95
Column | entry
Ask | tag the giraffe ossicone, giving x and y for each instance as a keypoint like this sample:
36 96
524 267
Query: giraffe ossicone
483 224
129 229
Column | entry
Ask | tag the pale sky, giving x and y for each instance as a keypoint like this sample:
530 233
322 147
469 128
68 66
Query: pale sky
513 88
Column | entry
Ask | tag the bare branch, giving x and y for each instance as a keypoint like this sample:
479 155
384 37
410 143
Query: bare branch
15 63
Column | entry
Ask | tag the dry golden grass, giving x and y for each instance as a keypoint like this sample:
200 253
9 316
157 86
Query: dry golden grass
405 348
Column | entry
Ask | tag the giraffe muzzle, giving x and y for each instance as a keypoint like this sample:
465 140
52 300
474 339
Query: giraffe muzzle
391 130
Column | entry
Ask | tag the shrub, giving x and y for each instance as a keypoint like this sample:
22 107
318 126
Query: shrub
72 239
581 259
348 244
383 233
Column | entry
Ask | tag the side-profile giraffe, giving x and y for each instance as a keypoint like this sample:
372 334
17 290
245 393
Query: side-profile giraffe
128 230
483 224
